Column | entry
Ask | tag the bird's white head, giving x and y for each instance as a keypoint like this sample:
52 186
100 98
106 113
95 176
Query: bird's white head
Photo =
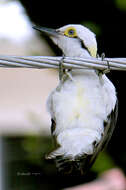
73 40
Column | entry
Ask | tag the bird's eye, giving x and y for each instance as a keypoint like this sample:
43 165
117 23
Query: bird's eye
70 32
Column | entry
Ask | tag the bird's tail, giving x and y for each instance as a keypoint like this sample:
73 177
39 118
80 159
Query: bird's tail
67 165
54 154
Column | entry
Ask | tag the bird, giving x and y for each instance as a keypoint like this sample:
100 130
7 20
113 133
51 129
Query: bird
84 105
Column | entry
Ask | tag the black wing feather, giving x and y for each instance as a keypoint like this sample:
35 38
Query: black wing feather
108 131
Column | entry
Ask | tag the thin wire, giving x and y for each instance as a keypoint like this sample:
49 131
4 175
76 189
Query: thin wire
41 62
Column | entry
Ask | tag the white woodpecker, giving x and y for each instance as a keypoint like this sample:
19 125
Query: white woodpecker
83 107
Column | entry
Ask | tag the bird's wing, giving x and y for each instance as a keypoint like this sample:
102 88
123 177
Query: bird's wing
109 127
53 154
53 127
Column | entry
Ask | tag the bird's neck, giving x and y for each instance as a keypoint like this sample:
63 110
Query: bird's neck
76 52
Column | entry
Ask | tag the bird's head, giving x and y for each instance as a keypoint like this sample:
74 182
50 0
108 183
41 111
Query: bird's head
73 40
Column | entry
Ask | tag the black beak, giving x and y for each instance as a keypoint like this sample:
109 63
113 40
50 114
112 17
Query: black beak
47 31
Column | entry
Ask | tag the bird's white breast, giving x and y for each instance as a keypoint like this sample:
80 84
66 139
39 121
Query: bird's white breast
79 108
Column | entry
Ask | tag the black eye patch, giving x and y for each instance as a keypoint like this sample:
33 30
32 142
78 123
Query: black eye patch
83 46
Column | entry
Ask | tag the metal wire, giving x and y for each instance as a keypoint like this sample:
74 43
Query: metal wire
41 62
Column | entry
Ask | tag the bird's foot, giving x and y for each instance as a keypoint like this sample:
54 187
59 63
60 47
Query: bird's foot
68 74
61 69
64 72
105 71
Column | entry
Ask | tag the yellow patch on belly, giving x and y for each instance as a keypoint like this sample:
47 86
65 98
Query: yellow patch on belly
82 103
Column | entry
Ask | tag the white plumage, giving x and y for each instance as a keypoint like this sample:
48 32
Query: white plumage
79 108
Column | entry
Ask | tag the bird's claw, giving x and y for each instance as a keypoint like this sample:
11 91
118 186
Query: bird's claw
61 69
105 71
63 72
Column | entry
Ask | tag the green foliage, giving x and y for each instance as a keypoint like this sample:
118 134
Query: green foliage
104 162
36 148
121 4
